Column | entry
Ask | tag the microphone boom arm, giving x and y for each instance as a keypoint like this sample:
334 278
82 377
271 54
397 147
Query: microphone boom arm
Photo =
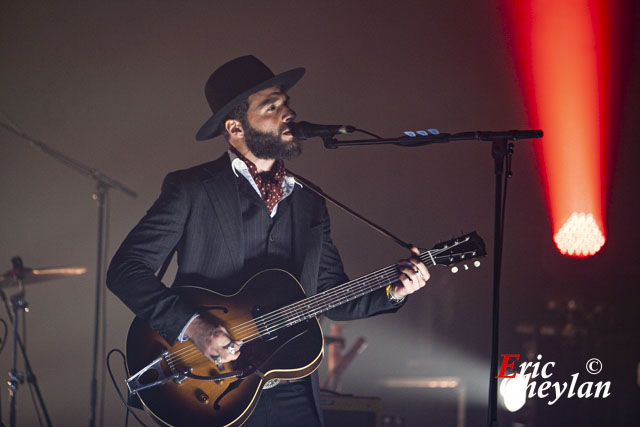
420 140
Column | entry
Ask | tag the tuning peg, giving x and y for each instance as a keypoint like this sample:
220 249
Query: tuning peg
454 269
466 267
476 263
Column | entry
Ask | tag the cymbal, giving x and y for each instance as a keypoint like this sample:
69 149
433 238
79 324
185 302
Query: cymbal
34 275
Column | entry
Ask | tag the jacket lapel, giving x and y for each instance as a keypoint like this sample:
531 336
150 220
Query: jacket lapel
222 190
306 241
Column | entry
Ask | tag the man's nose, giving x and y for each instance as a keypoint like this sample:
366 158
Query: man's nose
289 115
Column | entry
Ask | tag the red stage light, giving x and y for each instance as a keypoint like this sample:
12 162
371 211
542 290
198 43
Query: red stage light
580 236
563 62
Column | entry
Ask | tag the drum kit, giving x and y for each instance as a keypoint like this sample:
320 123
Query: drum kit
19 276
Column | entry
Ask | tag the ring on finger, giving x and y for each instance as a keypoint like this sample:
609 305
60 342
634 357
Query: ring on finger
419 273
217 359
231 348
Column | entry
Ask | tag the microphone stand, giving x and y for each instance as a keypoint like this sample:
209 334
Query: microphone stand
103 184
499 151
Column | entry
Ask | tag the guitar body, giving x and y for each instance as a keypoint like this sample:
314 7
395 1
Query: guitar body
288 353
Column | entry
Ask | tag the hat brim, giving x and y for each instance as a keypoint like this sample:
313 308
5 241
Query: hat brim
286 80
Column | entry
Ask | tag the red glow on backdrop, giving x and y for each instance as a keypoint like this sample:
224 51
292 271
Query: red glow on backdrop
562 53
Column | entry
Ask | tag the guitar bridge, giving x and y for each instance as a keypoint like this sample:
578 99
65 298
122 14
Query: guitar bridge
153 375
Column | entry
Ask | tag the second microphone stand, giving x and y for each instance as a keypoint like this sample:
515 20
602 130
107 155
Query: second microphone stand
500 150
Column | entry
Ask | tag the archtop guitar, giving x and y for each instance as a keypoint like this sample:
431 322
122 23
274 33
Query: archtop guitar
281 338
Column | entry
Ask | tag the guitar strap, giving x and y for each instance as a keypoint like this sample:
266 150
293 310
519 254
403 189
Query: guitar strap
325 196
350 211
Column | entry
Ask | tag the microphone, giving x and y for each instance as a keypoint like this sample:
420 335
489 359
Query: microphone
306 130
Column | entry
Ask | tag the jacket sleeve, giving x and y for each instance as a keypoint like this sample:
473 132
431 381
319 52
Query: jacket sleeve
131 274
331 273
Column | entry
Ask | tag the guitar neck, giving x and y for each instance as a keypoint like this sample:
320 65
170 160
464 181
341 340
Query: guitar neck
317 304
463 248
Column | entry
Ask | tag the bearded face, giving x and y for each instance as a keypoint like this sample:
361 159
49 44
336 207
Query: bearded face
267 145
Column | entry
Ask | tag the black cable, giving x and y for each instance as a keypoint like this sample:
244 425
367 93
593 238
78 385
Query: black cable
115 384
368 133
3 340
24 329
35 404
508 175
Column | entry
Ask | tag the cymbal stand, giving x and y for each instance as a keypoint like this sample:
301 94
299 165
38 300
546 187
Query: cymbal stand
19 303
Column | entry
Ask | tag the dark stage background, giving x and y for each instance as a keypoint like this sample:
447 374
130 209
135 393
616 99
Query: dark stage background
119 85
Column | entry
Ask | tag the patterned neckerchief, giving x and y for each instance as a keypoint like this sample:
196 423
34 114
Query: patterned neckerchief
269 183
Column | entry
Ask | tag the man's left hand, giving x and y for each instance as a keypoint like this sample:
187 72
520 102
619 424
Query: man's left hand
413 275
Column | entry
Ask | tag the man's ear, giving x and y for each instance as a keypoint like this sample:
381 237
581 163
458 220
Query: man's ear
234 127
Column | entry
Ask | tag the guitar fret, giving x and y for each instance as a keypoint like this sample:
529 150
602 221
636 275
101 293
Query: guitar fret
321 302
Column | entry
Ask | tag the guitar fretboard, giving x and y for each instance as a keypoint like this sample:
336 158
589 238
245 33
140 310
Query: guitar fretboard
317 304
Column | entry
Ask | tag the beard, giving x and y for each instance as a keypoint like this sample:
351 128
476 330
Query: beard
266 145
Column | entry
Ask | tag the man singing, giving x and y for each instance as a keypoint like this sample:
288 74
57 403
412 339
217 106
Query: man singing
234 217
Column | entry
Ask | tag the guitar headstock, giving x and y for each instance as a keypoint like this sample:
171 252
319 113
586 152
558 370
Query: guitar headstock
461 249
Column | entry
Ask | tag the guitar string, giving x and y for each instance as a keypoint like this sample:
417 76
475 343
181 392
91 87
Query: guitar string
191 350
349 290
305 303
188 359
276 322
239 329
352 286
270 317
310 306
186 353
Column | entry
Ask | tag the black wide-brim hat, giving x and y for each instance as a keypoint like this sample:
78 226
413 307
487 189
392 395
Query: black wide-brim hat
234 82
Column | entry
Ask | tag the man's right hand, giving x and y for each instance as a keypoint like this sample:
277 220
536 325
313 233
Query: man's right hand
212 339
